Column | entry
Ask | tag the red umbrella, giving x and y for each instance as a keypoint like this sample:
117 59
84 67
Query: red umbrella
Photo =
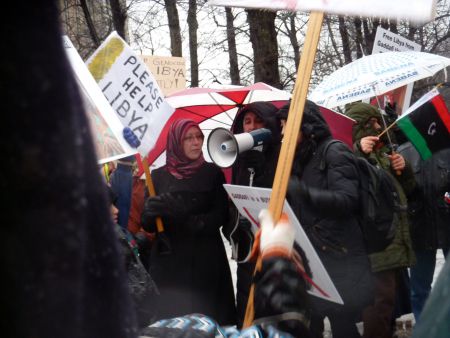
340 125
213 108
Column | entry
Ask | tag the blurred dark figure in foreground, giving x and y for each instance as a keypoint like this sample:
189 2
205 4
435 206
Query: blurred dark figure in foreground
59 254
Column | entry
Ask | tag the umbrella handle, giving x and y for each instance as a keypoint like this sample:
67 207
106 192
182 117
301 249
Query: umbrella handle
151 192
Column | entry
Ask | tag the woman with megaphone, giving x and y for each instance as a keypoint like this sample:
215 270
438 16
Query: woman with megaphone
255 167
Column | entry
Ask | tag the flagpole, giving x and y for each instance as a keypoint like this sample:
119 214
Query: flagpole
386 129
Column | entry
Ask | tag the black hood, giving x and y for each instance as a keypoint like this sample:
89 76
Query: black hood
266 112
313 124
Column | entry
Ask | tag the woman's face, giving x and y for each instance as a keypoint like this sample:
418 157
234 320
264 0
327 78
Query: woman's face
252 122
114 213
192 143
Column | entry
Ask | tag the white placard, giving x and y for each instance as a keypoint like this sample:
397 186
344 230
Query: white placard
131 89
105 126
250 201
387 41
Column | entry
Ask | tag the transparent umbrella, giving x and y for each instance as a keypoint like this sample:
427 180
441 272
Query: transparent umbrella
375 75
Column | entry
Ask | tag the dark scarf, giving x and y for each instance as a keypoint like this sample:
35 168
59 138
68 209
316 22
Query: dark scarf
176 161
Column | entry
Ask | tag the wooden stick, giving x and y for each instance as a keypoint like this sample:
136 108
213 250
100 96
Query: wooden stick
292 131
385 130
151 191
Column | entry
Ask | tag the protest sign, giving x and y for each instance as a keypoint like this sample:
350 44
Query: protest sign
131 90
169 72
387 41
250 201
105 126
414 10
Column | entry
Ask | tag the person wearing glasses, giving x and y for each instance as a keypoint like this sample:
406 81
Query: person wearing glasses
195 276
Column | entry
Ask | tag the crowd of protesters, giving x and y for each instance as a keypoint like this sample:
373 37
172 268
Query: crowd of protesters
75 265
195 277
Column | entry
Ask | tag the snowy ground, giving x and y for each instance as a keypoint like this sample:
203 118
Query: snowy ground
327 334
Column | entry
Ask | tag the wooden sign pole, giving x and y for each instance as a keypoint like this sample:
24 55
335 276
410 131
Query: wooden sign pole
292 131
151 191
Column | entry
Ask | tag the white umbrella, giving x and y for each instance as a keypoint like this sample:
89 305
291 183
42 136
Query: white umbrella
375 75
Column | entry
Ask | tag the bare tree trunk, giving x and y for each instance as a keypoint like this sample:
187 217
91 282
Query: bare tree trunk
293 38
345 40
90 23
369 35
333 41
174 27
412 31
359 37
393 26
119 17
193 27
263 37
232 50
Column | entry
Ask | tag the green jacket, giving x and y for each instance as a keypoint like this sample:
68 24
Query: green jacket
399 253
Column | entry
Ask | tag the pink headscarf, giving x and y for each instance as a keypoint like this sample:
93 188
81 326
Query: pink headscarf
176 161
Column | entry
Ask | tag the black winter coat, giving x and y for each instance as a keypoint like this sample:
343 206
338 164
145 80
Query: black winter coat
195 277
429 214
329 216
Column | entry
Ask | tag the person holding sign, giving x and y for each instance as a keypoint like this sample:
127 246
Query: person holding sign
195 277
323 193
254 168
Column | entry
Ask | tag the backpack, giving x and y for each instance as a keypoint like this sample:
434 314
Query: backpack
379 203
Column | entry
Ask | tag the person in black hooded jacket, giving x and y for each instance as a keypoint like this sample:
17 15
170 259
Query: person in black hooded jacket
255 168
323 192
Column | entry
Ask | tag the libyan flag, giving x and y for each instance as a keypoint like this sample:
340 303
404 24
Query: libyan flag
427 124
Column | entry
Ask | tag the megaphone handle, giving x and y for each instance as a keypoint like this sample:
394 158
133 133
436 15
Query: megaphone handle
252 175
151 192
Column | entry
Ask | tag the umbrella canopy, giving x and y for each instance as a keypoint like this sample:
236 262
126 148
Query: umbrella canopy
374 75
213 108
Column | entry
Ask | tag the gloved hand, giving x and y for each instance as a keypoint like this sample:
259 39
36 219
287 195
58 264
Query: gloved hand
170 205
276 240
151 211
131 137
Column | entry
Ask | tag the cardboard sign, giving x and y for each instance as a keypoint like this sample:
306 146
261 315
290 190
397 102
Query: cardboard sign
105 126
414 10
250 201
168 71
131 90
